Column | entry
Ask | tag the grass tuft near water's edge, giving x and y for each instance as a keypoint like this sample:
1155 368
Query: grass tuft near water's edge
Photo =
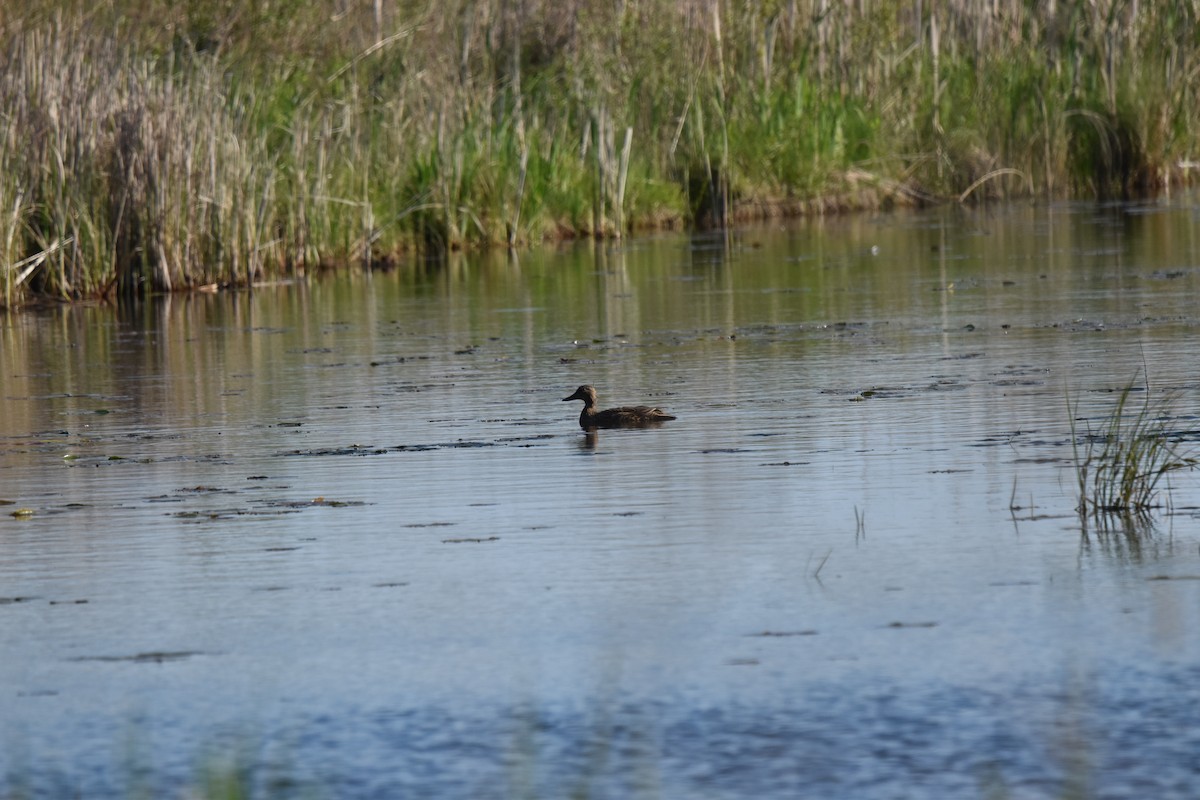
1120 467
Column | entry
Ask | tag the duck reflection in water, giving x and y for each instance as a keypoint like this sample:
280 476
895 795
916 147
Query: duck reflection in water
624 417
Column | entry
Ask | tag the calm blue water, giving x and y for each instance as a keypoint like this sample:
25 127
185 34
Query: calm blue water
345 540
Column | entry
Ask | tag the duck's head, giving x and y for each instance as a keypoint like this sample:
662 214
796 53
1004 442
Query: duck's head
585 393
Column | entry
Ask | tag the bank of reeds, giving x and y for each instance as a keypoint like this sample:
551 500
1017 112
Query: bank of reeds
149 146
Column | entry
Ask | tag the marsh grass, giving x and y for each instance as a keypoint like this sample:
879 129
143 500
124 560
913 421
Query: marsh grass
149 146
1120 467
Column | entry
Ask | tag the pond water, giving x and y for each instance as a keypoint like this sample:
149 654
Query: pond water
344 539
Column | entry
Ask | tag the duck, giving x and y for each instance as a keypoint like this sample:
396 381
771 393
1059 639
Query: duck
624 417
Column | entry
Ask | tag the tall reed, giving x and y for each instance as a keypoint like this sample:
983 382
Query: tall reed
129 175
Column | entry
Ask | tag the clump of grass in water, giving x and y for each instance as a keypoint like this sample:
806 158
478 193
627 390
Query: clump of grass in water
1120 467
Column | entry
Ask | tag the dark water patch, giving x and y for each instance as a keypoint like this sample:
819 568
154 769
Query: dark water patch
103 398
1082 326
319 502
79 461
398 360
225 514
1042 517
9 601
416 388
526 441
897 625
206 458
158 436
150 657
275 508
1002 382
1019 438
1017 370
785 464
471 540
390 585
783 634
368 450
430 524
945 385
873 393
352 450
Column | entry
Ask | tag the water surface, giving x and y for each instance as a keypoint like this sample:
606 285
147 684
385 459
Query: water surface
346 536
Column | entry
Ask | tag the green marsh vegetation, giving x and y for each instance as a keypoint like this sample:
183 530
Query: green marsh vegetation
1120 466
150 146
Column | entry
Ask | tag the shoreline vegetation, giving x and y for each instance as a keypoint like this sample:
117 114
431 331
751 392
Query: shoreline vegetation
151 146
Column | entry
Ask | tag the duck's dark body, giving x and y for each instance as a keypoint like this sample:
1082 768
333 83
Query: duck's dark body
624 417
